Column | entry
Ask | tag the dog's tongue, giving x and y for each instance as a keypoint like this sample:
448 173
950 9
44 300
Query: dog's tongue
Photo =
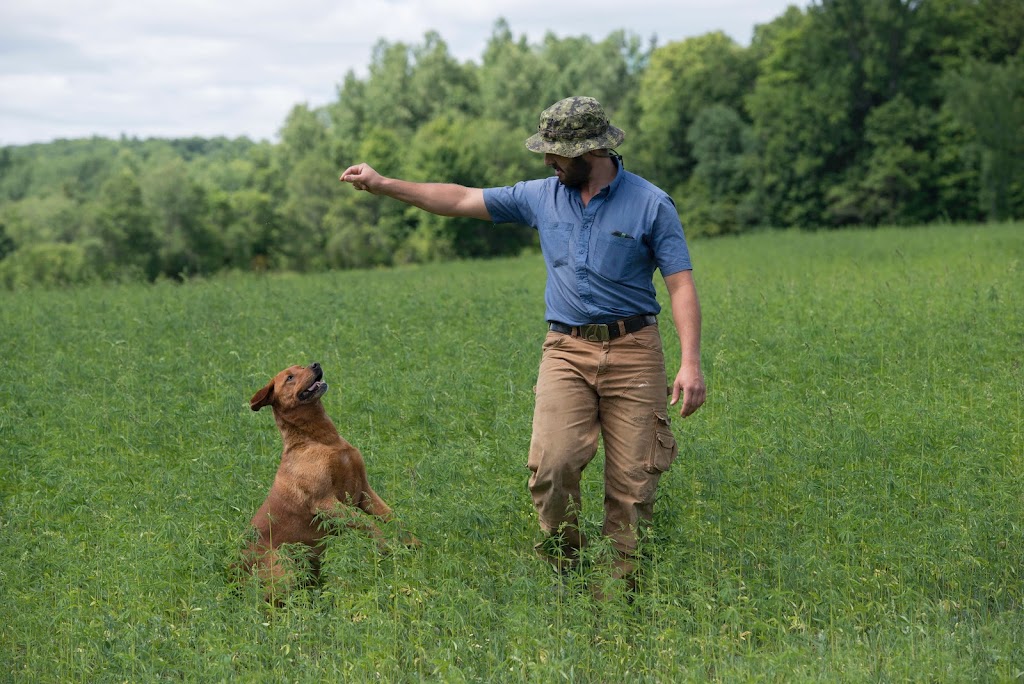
319 386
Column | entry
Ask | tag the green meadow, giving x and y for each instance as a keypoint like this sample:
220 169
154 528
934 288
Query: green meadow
847 506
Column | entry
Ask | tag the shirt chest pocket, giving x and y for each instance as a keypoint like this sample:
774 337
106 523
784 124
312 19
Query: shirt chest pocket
618 255
554 242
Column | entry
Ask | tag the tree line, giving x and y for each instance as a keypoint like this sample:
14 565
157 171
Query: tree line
848 112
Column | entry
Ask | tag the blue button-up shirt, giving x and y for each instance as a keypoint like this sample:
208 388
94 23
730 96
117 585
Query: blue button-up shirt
600 258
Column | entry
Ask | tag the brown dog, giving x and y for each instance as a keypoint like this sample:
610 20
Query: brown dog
321 477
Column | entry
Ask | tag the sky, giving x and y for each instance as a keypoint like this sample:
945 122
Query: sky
207 68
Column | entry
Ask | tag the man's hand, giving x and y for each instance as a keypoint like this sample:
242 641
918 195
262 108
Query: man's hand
689 384
362 177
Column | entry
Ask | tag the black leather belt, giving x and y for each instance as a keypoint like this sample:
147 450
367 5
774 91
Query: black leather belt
600 332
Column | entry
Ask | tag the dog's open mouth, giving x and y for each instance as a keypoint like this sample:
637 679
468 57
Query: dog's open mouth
316 389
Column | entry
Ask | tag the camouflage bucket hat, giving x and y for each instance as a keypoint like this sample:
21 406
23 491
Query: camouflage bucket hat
574 126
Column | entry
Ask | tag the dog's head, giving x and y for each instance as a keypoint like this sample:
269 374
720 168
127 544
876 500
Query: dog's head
291 388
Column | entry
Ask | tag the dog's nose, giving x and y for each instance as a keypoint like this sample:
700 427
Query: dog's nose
314 366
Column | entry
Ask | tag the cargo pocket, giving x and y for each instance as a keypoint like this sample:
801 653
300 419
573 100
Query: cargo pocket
663 449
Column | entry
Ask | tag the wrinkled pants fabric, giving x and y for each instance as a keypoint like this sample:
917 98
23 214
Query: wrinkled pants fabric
615 390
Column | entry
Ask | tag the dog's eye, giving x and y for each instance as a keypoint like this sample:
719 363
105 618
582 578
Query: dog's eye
290 378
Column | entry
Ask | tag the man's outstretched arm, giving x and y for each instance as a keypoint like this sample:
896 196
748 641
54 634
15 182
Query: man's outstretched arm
444 199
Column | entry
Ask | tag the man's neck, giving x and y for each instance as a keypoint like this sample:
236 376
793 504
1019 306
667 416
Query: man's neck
602 172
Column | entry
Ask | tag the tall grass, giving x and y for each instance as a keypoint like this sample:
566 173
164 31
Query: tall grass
847 505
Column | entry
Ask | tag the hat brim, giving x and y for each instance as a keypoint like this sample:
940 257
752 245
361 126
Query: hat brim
610 139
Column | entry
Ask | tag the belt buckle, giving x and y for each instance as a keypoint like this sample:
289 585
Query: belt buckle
595 332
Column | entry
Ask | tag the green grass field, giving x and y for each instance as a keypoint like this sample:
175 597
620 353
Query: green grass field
847 506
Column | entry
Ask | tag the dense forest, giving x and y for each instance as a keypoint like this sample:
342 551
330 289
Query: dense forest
850 112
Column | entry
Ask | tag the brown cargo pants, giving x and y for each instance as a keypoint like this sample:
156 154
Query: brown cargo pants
614 389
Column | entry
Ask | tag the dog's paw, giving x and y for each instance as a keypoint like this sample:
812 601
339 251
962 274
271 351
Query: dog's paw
409 540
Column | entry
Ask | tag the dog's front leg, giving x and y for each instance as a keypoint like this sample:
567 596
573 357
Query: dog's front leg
374 505
351 518
275 575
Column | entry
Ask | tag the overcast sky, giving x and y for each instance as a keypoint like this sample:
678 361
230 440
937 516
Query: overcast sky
178 68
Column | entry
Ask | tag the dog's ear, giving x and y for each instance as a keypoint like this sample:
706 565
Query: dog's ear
265 397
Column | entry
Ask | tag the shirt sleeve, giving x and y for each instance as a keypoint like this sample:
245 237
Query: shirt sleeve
511 204
668 242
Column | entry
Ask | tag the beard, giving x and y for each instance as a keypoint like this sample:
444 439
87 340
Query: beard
575 174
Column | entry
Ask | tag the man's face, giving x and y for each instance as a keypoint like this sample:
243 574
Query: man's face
573 172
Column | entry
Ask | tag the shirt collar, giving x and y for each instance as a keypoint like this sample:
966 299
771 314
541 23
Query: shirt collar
607 190
619 171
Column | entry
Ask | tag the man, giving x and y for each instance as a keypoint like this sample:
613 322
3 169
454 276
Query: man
603 231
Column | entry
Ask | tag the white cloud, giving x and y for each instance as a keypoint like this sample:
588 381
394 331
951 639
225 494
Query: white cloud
215 67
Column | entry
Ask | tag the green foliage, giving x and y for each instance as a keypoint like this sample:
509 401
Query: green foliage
988 100
304 134
126 242
440 85
409 85
137 209
608 70
851 112
250 231
680 81
846 506
826 155
34 219
364 230
75 168
47 265
986 30
957 171
188 243
7 244
718 197
311 190
512 77
896 183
